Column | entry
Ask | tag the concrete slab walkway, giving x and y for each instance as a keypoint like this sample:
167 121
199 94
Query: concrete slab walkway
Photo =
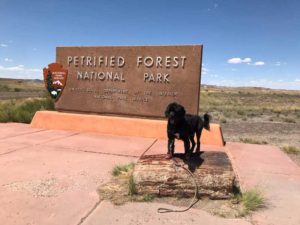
146 214
51 177
272 172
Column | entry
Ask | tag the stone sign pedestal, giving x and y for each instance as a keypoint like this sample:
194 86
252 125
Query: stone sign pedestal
114 125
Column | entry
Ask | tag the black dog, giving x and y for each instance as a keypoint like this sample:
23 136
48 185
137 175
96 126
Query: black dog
184 126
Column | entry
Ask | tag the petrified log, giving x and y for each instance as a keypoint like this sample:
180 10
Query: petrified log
212 171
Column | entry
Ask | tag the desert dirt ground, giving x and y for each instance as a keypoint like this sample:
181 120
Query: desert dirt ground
279 134
20 89
255 115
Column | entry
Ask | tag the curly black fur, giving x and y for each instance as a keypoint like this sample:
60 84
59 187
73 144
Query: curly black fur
184 127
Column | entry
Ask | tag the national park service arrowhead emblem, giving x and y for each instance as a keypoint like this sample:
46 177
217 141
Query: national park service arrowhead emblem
55 78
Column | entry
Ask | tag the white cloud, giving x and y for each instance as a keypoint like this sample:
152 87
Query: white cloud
276 84
239 60
234 60
19 68
208 73
20 71
8 60
214 75
278 64
12 68
247 60
3 45
259 63
204 70
212 7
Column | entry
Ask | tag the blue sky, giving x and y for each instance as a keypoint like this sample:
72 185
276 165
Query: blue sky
246 43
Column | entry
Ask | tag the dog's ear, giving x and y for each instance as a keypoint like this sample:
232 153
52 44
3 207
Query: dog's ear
181 110
167 112
170 108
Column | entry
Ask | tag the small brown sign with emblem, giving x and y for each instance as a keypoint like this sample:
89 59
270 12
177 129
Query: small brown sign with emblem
55 78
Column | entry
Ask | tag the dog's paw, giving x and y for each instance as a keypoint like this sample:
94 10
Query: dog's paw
168 156
187 156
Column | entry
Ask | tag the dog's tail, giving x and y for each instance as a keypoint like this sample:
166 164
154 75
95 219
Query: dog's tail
206 121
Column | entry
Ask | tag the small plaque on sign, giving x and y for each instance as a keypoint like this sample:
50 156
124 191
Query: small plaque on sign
55 78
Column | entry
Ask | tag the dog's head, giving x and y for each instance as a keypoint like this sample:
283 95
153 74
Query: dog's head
174 112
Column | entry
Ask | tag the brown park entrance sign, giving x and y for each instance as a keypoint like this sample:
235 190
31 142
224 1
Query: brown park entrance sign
130 80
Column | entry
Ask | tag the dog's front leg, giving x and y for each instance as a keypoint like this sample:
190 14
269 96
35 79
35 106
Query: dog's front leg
193 143
171 146
187 147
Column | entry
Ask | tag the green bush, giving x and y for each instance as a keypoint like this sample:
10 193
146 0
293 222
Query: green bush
253 141
131 186
253 200
117 170
241 112
4 87
288 120
148 197
23 112
222 120
291 149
